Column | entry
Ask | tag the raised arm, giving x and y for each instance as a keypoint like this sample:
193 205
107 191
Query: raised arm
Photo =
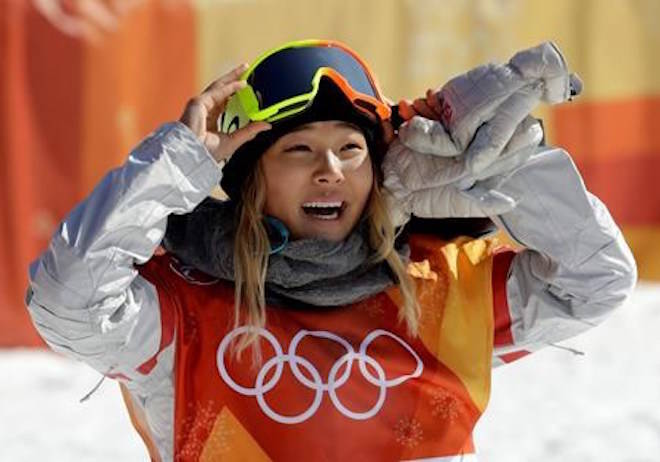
576 266
481 157
85 296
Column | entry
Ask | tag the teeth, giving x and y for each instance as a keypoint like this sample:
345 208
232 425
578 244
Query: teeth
323 210
334 216
322 204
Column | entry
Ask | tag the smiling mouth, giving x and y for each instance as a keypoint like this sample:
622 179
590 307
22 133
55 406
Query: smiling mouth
324 210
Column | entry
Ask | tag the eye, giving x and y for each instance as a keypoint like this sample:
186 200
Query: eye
298 147
351 146
351 149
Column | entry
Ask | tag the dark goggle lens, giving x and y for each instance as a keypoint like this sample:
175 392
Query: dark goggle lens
290 71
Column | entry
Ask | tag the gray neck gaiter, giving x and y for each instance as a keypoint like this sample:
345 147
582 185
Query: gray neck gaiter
308 271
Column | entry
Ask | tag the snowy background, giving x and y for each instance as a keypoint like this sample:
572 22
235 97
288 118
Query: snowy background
552 406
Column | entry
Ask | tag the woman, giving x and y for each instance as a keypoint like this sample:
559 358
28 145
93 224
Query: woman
388 338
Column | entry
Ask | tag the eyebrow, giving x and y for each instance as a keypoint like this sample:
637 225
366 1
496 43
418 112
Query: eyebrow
338 123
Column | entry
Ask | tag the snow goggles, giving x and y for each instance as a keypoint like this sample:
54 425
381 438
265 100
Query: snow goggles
284 81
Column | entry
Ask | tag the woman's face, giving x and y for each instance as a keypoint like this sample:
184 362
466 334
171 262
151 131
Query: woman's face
318 179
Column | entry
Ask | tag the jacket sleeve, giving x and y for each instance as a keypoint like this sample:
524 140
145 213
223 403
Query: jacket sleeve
86 297
575 267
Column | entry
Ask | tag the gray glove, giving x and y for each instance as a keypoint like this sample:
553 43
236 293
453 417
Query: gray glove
438 169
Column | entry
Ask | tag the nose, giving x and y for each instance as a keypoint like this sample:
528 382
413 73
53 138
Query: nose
329 170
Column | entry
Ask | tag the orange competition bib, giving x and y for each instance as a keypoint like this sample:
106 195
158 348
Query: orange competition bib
344 383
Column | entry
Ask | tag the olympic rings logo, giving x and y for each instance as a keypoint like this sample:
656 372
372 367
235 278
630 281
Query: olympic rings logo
317 384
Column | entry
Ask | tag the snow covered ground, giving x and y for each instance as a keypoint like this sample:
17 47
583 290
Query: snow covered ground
604 406
552 406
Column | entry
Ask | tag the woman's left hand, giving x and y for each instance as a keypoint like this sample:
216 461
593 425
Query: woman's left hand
428 183
440 169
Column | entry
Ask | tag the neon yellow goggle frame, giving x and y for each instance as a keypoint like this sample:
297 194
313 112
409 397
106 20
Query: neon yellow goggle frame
284 81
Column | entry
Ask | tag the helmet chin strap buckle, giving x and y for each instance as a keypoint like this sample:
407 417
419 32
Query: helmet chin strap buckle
278 234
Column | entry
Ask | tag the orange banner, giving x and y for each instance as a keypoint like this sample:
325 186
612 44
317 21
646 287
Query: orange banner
71 109
82 81
616 144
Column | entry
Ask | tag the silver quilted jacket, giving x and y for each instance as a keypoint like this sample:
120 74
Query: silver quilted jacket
88 301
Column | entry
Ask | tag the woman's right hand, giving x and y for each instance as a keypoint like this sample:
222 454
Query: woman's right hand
202 112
